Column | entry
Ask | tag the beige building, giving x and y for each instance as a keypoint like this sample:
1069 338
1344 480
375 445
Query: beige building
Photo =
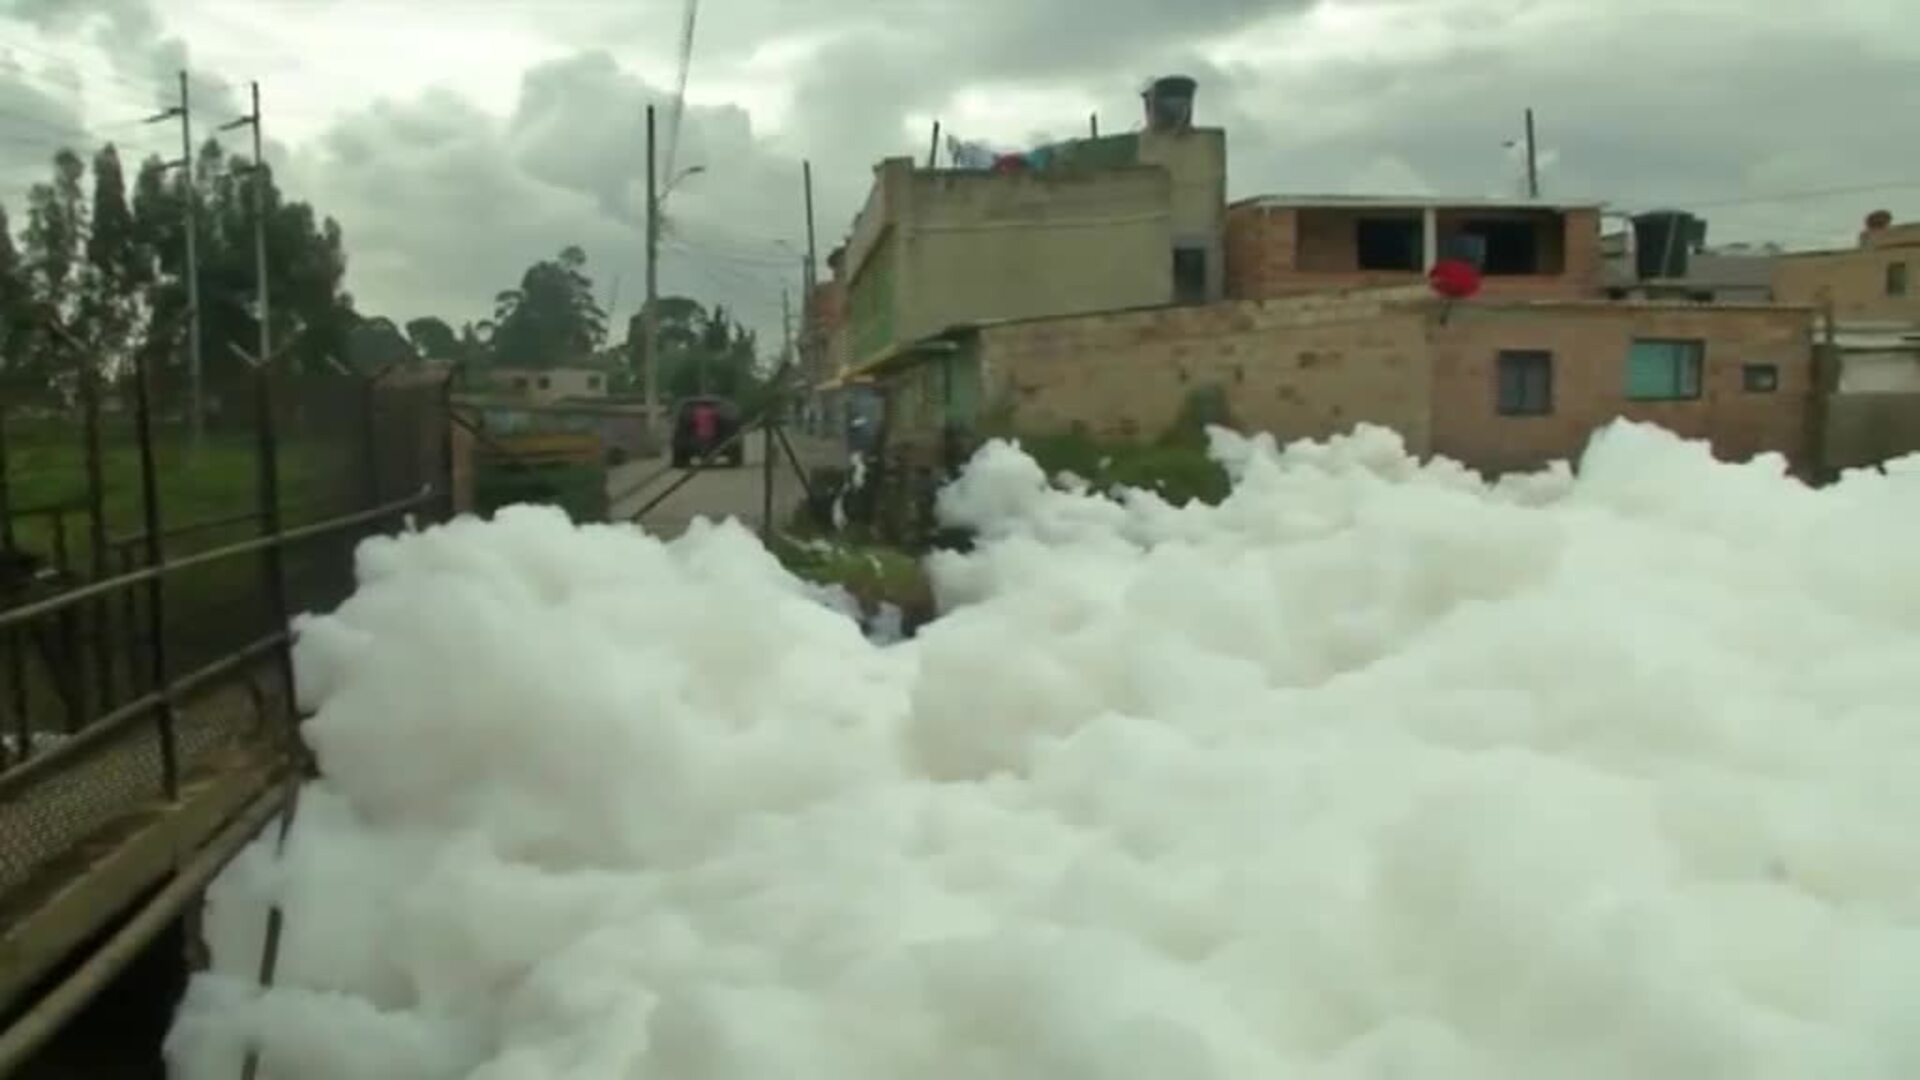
1285 245
1098 224
1872 309
547 386
1872 281
1499 385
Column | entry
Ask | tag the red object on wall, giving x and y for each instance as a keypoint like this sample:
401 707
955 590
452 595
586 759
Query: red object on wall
1454 279
1010 163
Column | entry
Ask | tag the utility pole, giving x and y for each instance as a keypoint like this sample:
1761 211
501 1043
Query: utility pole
786 327
1533 168
809 348
650 319
258 189
184 112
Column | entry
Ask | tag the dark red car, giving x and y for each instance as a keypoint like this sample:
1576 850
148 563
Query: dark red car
701 424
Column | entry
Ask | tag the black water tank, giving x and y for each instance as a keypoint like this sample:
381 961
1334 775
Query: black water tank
1170 103
1662 240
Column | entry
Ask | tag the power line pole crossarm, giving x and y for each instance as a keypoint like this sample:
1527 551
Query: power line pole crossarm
184 113
257 187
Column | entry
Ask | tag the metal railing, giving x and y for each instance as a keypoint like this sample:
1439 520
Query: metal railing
57 798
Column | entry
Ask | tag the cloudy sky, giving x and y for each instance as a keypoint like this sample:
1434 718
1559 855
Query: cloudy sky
458 140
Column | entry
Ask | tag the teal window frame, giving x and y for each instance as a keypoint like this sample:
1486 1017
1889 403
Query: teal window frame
1666 369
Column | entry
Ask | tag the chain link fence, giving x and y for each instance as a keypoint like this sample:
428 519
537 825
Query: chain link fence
147 565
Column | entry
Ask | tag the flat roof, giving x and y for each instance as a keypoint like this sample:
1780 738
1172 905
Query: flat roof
1436 202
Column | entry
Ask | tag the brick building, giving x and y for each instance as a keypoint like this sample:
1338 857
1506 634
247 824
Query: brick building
1500 384
1872 281
1868 296
1286 245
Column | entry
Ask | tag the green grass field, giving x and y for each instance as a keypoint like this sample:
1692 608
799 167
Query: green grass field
210 610
46 467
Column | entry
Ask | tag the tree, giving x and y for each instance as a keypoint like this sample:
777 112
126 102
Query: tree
376 344
706 352
551 319
113 308
434 339
16 338
112 271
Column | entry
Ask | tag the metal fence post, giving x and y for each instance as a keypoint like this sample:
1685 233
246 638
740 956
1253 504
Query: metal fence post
156 587
16 669
370 439
97 534
64 668
268 450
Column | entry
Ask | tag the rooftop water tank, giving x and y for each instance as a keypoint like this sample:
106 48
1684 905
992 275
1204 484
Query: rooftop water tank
1170 103
1662 240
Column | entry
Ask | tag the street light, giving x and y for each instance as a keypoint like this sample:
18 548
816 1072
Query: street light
650 315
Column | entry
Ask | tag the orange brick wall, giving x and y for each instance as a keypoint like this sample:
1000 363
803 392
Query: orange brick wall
1589 345
1275 252
1856 281
1302 368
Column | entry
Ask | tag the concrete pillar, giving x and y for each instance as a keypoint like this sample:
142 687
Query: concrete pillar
1429 238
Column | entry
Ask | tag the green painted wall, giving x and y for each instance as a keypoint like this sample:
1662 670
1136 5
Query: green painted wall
871 302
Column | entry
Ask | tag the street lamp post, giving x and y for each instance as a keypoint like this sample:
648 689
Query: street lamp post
651 314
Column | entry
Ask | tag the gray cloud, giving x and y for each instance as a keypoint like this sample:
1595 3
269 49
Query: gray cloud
1705 103
445 205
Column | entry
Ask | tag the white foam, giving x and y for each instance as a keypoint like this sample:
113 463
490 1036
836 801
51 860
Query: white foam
1372 771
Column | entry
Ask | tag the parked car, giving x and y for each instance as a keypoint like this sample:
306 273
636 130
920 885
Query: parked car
701 424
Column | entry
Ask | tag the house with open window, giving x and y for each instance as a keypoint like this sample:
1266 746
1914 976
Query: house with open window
1285 245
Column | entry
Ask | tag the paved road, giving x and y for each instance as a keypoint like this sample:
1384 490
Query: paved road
718 492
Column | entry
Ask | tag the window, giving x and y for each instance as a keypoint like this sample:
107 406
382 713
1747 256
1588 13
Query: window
1897 279
546 383
1189 275
1525 383
1388 244
1664 370
1760 378
1506 247
519 382
1471 250
593 382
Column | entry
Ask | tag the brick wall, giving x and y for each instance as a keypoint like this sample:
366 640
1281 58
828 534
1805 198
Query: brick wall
1855 281
1300 368
1277 251
1260 244
1589 343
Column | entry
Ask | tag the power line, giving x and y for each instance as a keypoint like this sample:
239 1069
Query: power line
1796 196
103 71
680 88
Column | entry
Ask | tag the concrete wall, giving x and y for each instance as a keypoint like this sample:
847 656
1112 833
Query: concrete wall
1879 372
1867 429
936 248
981 246
1299 368
1590 343
1855 281
1314 366
544 386
1274 251
1196 161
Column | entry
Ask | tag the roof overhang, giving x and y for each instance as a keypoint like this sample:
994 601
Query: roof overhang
1405 202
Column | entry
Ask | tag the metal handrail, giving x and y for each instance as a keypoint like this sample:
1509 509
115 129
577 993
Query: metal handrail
73 597
103 730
